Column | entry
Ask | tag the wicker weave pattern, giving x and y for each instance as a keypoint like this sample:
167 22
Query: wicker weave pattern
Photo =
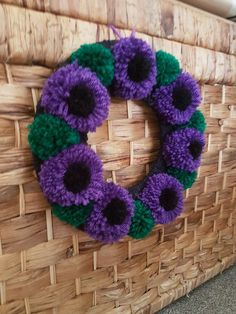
163 18
49 267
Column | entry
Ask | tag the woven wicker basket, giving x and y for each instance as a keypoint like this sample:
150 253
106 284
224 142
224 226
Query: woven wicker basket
49 267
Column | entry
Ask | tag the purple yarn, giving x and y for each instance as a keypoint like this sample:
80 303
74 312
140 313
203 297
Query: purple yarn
162 101
52 173
150 196
124 51
57 90
176 149
97 225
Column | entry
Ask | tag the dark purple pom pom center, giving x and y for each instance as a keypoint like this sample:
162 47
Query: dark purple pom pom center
168 199
81 101
115 211
77 177
139 68
195 149
182 97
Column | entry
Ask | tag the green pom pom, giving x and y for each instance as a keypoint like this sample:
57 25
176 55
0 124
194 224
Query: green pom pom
167 68
73 215
186 178
142 221
98 58
48 135
197 121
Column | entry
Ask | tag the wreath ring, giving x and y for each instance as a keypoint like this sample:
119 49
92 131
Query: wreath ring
75 100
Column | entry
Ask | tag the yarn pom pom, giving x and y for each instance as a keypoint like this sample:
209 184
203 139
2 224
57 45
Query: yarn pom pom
167 68
98 58
135 68
72 177
48 135
76 95
142 221
177 102
111 216
186 178
163 195
73 215
182 149
197 121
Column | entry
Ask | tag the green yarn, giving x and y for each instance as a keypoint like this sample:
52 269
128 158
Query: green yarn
197 121
98 58
167 68
186 178
48 135
73 215
142 221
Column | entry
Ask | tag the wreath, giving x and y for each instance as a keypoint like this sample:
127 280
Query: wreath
75 100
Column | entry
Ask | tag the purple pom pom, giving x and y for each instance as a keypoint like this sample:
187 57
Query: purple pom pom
163 194
76 95
182 149
177 102
101 225
135 68
66 187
